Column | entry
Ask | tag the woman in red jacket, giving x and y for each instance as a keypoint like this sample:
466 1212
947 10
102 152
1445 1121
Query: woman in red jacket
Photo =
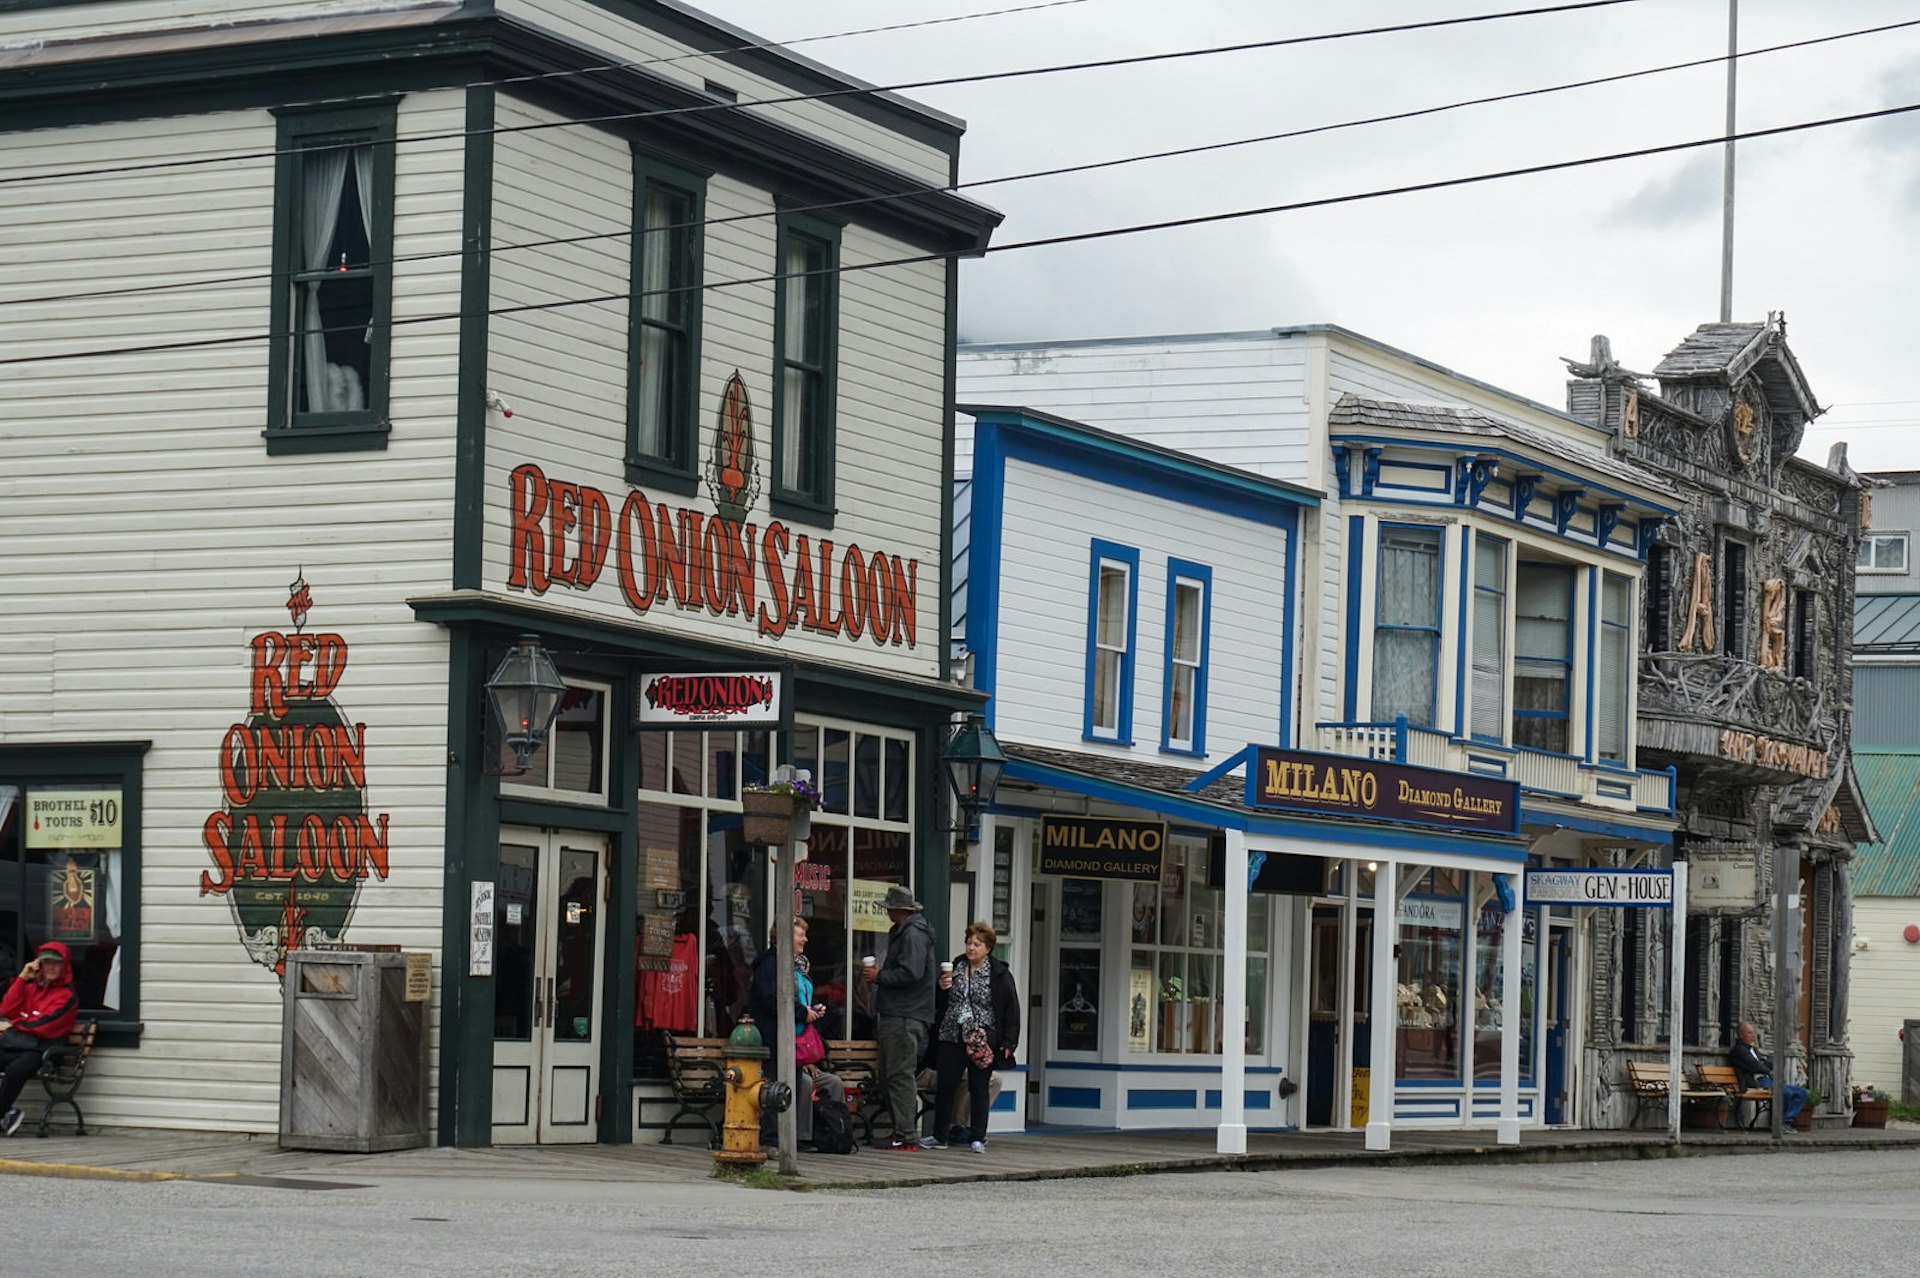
38 1010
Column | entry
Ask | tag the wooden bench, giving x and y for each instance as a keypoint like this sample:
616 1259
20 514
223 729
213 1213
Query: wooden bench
62 1066
857 1062
694 1068
1649 1082
1727 1081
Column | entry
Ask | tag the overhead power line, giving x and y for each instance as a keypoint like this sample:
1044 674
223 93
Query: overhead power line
627 232
828 95
1138 228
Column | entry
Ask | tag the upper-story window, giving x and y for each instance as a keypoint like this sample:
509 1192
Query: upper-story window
1882 552
806 340
1733 631
1806 614
333 267
1613 681
1111 615
1184 712
1542 655
1489 708
669 209
1659 594
1406 629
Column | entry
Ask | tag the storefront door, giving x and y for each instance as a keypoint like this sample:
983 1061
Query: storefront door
550 934
1555 1024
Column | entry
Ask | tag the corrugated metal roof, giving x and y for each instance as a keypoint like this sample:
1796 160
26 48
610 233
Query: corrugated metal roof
1890 775
1886 623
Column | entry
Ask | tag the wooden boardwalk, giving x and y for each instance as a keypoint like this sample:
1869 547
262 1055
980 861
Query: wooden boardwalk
129 1154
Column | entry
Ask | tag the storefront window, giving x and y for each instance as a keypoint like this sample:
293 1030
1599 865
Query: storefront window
1428 990
1489 967
62 866
1175 969
704 906
573 760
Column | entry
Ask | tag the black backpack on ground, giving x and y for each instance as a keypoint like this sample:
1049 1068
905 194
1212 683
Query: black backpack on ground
832 1128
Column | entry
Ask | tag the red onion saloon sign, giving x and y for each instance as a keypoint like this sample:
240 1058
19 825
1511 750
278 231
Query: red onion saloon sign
572 535
292 841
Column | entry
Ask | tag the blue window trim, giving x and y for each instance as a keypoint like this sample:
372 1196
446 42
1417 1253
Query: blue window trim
1356 552
1289 648
1112 552
1179 570
1439 608
986 522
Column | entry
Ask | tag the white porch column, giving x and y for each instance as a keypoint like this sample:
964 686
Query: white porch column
1676 999
1385 1018
1232 1136
1507 1130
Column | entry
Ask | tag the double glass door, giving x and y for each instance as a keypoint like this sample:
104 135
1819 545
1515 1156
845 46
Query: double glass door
549 938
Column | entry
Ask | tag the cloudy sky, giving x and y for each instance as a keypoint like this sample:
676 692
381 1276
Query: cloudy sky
1496 280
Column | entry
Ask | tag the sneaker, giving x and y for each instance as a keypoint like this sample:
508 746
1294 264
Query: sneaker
978 1147
932 1142
958 1136
905 1144
11 1123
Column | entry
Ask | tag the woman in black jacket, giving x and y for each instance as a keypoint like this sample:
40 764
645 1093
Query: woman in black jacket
977 1020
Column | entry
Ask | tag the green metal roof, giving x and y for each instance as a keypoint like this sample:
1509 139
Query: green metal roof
1890 778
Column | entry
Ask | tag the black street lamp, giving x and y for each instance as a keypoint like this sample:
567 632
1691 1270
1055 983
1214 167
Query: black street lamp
524 695
974 762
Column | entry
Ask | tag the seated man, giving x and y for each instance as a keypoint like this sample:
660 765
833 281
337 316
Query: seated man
1754 1068
38 1010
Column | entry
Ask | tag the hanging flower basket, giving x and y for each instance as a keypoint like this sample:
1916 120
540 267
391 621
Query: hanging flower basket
777 813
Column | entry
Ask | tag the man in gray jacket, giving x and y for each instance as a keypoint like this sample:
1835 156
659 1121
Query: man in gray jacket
903 1013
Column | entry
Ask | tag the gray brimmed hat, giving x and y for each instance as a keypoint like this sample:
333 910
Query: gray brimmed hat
898 898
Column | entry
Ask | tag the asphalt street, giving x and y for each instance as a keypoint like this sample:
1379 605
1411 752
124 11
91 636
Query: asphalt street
1800 1214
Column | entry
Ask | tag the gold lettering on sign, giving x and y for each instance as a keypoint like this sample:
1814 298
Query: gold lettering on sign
1700 608
1773 624
1786 756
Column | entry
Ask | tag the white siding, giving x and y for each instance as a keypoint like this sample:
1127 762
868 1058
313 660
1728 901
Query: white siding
145 536
592 25
1239 400
564 374
1050 521
1883 991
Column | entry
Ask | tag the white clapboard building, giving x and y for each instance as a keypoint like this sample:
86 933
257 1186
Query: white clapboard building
1452 621
340 347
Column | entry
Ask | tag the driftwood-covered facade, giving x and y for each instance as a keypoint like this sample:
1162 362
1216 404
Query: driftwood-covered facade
1745 689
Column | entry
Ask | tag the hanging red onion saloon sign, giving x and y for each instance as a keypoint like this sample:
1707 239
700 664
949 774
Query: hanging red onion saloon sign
711 698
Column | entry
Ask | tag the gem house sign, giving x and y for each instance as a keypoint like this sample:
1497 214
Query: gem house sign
292 841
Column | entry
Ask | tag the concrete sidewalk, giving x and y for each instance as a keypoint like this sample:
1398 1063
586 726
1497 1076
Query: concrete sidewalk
129 1154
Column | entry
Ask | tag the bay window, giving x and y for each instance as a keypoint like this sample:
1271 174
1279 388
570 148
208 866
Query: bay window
1406 630
1542 656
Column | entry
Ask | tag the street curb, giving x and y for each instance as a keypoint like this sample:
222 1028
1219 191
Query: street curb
79 1171
1506 1155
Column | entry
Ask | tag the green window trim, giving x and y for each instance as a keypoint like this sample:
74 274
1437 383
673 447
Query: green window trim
812 365
669 320
304 129
114 763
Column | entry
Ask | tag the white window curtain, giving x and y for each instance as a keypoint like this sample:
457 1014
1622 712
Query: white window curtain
1185 672
324 180
1615 668
1489 638
793 391
1406 637
656 342
1110 647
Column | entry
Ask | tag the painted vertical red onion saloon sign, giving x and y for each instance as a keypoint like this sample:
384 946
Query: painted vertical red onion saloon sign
563 533
292 841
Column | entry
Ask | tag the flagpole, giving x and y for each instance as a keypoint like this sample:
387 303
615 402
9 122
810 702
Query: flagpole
1726 223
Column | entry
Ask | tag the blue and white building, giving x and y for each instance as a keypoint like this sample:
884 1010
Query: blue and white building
1448 579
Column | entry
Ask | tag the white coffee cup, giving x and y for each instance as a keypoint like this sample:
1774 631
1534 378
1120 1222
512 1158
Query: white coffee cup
868 961
946 969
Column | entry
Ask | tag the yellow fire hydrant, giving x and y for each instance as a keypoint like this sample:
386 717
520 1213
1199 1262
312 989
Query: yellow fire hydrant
748 1093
